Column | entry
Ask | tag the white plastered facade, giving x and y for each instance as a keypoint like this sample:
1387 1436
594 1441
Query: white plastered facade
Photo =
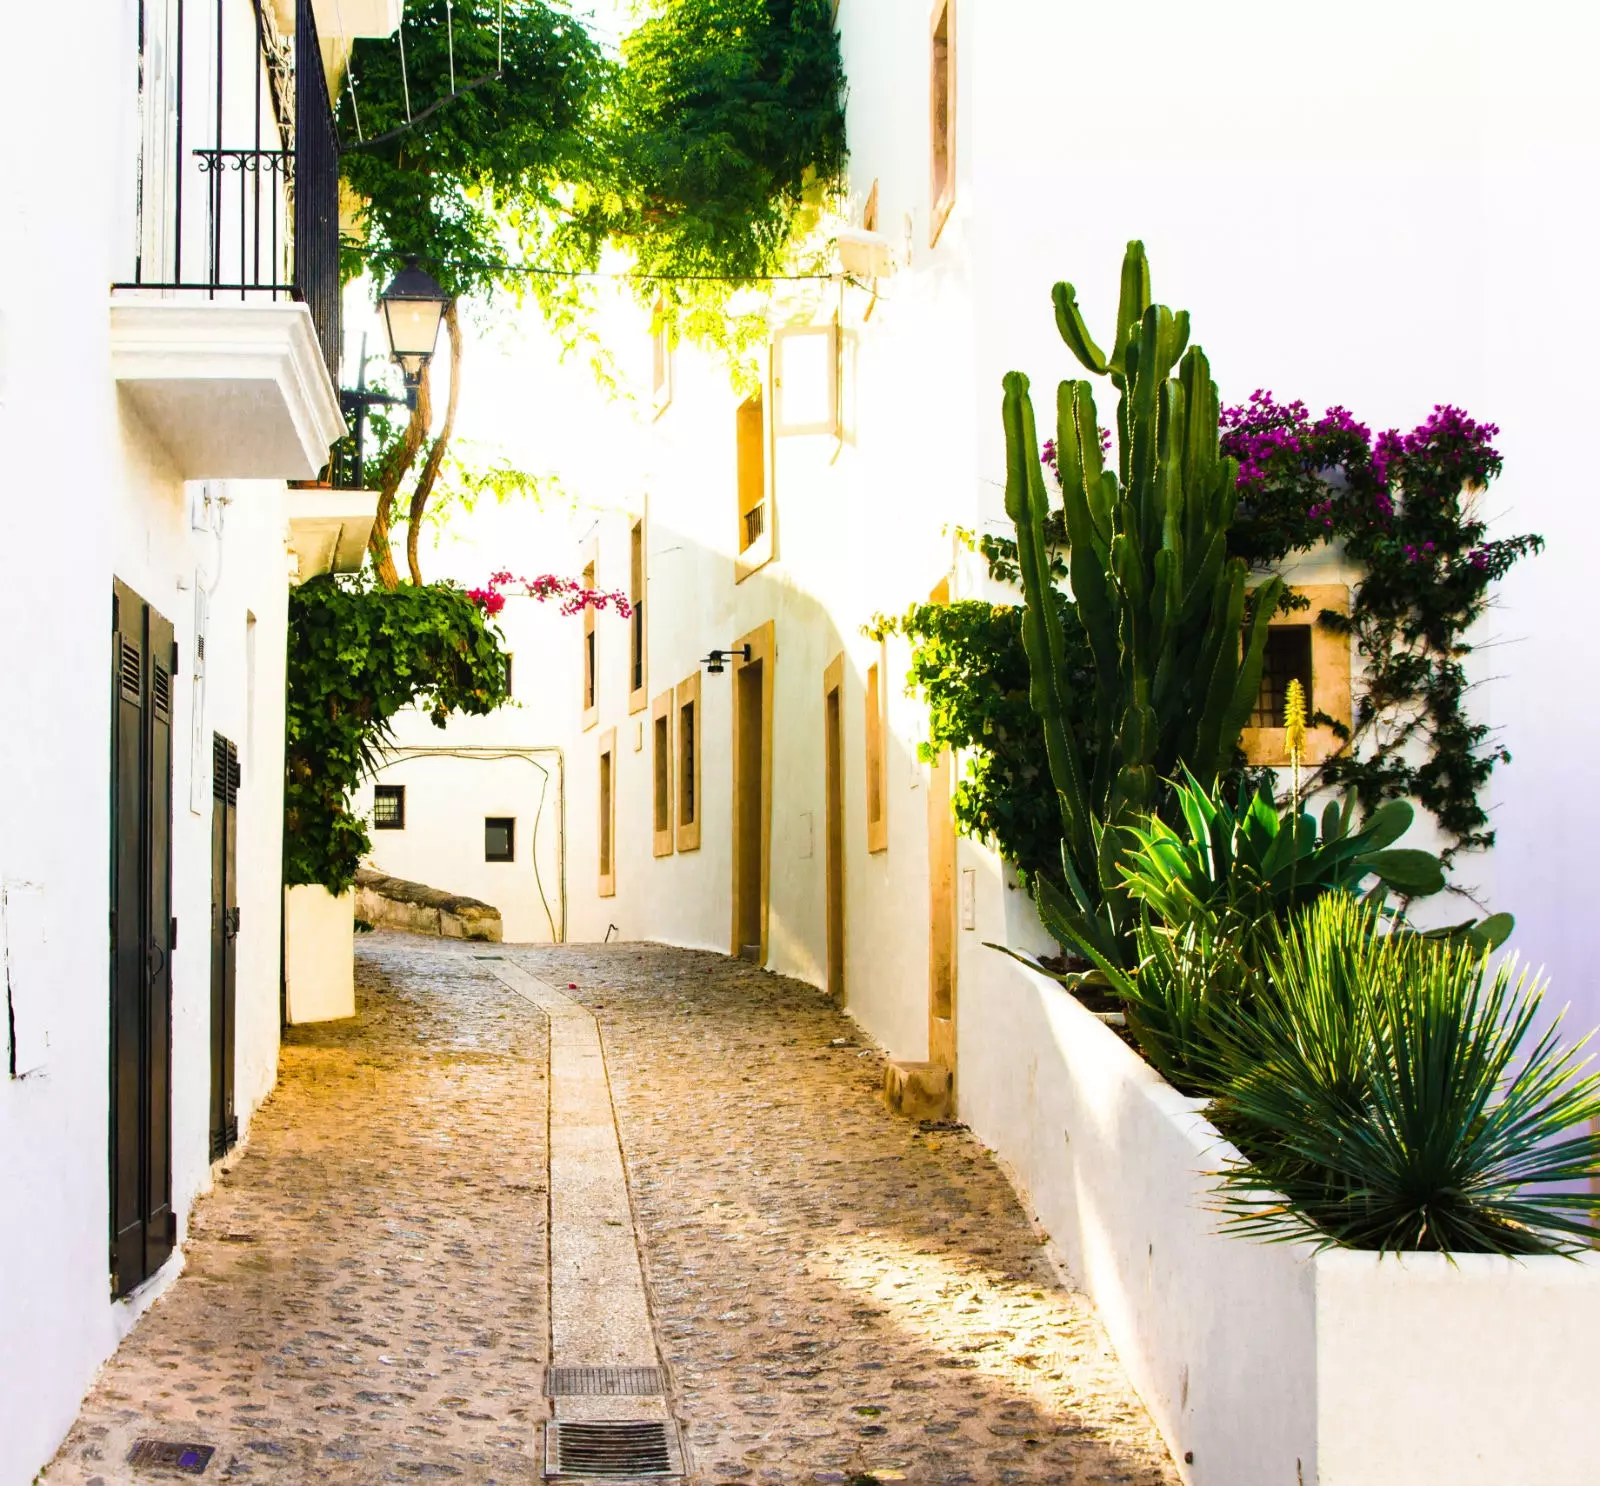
92 493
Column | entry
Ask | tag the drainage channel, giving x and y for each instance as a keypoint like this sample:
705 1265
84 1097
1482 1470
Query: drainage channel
605 1381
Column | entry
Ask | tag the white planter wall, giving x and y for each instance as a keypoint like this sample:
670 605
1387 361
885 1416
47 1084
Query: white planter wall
1271 1365
319 954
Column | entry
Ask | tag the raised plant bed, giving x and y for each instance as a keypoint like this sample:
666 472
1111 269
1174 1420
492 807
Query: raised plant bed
1271 1364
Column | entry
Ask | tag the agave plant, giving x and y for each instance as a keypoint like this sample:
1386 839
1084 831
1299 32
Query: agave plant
1248 866
1379 1087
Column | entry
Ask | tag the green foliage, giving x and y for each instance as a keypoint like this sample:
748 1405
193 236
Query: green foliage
1380 1090
1246 867
969 666
357 655
487 170
1160 601
728 118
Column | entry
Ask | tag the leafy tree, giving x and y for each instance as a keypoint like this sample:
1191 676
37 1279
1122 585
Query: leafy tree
703 153
473 178
357 655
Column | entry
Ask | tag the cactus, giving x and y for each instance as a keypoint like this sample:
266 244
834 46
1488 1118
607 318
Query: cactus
1162 603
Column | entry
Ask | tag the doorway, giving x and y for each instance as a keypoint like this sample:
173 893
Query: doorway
752 791
224 936
833 820
941 901
143 659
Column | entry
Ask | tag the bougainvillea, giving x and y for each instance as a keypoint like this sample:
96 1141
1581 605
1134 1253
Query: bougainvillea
573 595
1407 510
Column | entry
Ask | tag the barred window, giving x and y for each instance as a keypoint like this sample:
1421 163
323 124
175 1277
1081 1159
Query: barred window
1287 658
389 807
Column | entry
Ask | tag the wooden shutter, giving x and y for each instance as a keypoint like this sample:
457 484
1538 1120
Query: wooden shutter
224 937
142 1227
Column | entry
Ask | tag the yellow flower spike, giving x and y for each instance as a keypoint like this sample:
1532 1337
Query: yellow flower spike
1294 728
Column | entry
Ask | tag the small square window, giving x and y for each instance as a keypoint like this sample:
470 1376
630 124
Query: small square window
500 838
389 807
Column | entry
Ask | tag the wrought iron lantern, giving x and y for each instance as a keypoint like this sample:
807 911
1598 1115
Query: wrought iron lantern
412 306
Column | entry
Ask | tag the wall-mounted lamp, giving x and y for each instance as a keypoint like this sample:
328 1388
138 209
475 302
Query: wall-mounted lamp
412 306
716 662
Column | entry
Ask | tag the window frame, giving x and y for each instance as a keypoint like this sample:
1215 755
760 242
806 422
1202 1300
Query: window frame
829 331
395 792
589 693
510 824
875 708
606 800
638 635
941 132
686 697
1330 682
663 778
750 557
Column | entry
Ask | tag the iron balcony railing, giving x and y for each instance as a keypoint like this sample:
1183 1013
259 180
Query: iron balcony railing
237 190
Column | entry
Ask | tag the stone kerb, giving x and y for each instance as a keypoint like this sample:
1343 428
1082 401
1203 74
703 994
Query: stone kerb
1265 1364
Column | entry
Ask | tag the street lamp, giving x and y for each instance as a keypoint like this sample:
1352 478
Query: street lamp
412 306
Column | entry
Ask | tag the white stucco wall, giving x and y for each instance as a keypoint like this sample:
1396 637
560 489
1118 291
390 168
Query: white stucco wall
90 495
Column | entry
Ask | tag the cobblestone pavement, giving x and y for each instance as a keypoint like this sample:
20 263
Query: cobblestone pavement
840 1297
364 1299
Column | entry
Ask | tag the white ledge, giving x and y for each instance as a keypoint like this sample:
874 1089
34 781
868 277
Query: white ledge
232 391
328 529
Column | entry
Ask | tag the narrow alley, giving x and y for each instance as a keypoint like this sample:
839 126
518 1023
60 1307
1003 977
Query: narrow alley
836 1295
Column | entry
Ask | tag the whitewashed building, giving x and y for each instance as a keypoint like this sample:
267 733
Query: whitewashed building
1379 213
168 361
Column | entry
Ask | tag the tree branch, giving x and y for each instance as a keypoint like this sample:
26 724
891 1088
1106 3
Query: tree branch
395 470
430 467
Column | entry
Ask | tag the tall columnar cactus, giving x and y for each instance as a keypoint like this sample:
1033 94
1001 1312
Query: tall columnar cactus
1162 603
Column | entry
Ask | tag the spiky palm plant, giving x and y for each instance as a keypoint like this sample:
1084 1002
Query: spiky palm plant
1379 1087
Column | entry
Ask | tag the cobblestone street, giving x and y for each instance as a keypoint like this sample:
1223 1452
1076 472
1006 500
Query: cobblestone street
839 1296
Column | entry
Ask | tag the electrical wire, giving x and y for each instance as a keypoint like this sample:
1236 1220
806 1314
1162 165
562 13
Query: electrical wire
487 754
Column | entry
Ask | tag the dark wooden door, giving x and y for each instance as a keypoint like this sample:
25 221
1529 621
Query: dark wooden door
224 934
143 662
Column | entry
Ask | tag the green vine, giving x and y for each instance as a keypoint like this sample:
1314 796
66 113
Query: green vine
357 655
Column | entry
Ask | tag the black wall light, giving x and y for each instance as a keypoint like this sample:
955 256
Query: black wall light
716 662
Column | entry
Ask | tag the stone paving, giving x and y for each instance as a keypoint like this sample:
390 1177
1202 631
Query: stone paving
840 1297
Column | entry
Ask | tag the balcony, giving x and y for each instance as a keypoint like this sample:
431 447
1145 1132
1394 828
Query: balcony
328 530
225 334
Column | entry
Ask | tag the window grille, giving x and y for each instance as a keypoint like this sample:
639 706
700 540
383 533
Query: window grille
389 807
1287 658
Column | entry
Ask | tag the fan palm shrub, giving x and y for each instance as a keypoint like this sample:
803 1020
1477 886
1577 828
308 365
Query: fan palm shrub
1382 1091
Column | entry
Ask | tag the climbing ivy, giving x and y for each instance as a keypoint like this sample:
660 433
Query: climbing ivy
358 653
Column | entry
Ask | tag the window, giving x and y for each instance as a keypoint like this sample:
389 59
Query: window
606 837
636 658
805 380
661 359
1299 648
755 527
662 823
500 838
942 118
591 699
389 807
688 707
877 793
1287 658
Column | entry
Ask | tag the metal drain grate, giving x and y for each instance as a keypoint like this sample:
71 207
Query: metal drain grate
615 1447
192 1460
608 1382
